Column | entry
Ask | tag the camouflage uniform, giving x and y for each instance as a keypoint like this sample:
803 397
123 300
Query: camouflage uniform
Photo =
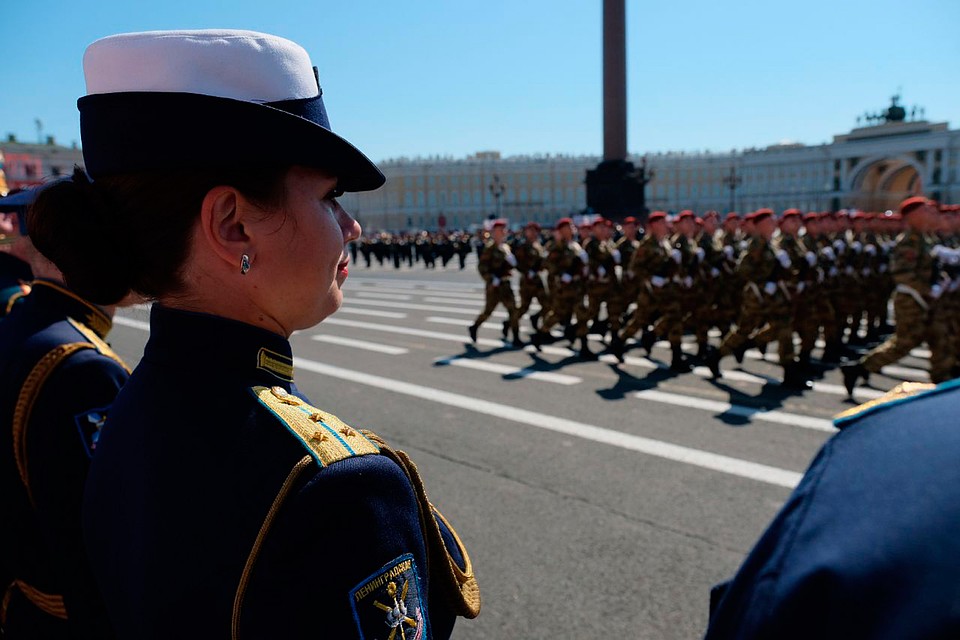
601 287
495 266
530 264
565 268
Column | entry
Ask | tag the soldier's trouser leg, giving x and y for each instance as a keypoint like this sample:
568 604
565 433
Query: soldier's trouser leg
616 305
562 307
491 300
751 317
940 339
671 322
506 298
911 327
779 328
642 315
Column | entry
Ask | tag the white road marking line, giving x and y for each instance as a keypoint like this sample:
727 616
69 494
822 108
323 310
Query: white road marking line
463 322
508 371
414 307
417 284
384 296
476 302
906 373
361 344
752 413
447 295
346 308
676 453
407 331
921 353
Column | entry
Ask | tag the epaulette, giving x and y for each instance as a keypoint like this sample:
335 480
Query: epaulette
324 435
98 343
904 392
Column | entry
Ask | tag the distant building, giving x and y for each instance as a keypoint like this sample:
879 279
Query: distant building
26 164
872 167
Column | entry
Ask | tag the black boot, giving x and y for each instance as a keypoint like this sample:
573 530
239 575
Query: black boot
506 328
535 321
702 350
793 378
713 363
585 353
647 340
852 373
473 333
832 352
616 347
538 338
741 350
517 342
679 364
570 332
761 347
804 360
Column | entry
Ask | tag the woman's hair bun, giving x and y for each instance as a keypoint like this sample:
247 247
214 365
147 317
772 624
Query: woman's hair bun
73 224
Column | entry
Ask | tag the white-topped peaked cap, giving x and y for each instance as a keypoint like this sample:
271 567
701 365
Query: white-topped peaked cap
209 99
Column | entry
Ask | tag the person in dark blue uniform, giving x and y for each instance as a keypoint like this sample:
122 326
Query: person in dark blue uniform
221 502
867 546
58 379
15 274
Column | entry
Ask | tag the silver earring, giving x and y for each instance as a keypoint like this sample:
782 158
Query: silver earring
244 264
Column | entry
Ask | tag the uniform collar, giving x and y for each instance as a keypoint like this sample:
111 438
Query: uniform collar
190 340
52 297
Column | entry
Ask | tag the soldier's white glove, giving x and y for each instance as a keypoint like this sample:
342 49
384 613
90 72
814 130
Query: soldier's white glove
714 272
833 272
584 258
882 268
770 288
601 271
829 254
801 286
744 245
935 251
811 258
728 251
676 255
936 291
495 281
783 258
657 281
870 250
865 271
849 271
839 245
701 254
512 259
856 246
688 282
531 274
566 278
616 255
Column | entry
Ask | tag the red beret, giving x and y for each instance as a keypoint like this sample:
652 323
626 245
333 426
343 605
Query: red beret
733 215
657 215
499 223
686 213
563 222
599 220
760 214
811 216
792 212
711 214
533 225
912 204
629 220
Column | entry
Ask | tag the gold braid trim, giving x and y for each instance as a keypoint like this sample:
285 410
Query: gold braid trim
28 396
459 587
258 543
48 603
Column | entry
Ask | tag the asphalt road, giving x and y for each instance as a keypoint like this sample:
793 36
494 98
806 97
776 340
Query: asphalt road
597 500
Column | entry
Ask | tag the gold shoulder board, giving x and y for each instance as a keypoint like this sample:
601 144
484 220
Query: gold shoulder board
898 394
324 435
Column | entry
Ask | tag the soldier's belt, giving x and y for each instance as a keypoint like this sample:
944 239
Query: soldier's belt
913 293
48 603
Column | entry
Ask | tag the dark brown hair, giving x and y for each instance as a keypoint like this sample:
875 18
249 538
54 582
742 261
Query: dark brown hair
132 232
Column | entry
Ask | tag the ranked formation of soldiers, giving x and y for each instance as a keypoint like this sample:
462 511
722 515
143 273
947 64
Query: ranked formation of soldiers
751 280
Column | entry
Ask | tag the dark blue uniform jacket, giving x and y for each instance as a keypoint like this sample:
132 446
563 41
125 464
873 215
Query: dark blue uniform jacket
40 535
868 545
206 516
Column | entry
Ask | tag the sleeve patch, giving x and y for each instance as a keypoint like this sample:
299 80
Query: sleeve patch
89 424
389 605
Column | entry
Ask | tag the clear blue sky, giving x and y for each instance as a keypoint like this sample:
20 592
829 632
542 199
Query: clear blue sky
452 77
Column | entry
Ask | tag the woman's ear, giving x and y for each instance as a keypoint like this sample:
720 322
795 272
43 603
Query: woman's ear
222 225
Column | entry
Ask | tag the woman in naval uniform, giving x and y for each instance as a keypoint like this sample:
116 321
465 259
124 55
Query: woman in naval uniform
221 503
58 379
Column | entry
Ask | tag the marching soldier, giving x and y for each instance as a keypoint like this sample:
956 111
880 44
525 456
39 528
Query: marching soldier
530 264
626 246
566 263
765 299
602 284
496 264
916 293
